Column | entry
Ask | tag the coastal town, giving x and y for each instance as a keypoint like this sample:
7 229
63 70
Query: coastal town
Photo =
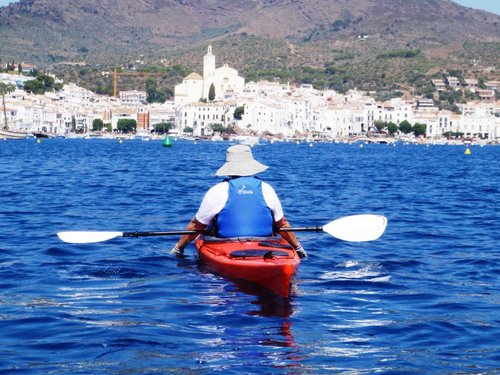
207 105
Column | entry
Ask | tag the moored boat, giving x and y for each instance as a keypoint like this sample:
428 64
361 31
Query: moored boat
268 261
11 134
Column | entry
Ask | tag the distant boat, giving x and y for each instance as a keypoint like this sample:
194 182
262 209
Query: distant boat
5 133
12 134
41 135
217 138
247 140
467 141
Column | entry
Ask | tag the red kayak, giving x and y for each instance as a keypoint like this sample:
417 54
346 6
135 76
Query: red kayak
269 262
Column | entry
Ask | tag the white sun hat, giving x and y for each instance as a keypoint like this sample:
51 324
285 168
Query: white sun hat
240 162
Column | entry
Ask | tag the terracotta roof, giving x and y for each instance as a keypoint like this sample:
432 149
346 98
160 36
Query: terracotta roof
194 75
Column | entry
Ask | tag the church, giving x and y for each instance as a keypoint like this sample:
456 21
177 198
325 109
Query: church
195 88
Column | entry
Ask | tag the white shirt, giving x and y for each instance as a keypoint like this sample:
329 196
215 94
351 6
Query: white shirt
215 199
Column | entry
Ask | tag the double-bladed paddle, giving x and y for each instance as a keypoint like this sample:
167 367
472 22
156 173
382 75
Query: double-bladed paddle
355 228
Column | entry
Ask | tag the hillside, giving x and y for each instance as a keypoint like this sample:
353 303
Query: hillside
383 41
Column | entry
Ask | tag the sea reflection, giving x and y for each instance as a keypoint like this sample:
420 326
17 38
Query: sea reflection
252 325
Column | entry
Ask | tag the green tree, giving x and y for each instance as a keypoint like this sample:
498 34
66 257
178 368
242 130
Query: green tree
42 84
407 54
97 124
419 129
380 125
35 86
48 81
458 74
405 127
238 112
392 128
126 125
153 95
163 127
218 128
188 129
211 93
5 88
453 135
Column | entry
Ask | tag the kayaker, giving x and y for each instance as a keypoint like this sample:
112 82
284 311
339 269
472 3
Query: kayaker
240 206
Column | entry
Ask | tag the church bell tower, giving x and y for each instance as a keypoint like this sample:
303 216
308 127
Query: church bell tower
208 64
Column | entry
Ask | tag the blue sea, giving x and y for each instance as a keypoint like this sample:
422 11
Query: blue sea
423 299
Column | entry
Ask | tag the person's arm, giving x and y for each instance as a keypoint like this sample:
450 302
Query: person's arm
290 237
187 238
212 203
274 204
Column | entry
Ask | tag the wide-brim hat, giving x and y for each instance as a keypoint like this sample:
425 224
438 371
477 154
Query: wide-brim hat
240 162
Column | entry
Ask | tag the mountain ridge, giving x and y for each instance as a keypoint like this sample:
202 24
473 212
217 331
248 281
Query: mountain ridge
76 27
255 35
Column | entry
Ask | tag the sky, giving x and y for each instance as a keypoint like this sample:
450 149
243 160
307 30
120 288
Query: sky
492 6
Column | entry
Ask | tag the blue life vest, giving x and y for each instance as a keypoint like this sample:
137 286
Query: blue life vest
246 212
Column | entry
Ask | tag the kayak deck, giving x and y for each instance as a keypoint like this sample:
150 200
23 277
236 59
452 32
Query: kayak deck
268 262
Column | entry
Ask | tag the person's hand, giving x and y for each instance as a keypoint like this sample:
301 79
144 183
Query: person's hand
176 251
301 252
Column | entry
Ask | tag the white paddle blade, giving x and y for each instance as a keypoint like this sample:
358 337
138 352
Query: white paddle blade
357 228
87 237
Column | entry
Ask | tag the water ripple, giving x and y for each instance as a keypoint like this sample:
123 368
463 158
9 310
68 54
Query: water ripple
422 299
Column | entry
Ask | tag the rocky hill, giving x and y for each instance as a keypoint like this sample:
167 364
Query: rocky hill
383 37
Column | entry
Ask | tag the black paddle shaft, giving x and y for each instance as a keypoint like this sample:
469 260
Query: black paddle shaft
182 232
303 229
150 234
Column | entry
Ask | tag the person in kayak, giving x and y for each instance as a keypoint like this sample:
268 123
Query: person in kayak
240 206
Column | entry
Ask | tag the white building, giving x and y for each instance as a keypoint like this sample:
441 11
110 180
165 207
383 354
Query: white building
14 79
265 115
254 90
225 80
478 120
189 91
164 112
121 114
55 121
333 121
438 123
453 82
201 116
133 97
76 96
279 116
